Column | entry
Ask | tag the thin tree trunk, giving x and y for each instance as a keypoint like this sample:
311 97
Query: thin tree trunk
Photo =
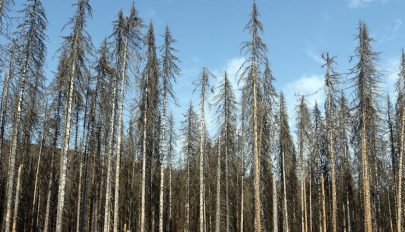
302 192
17 199
324 219
201 166
34 202
366 182
399 187
310 197
332 160
275 211
110 144
79 194
118 151
4 108
218 206
188 194
256 156
169 157
66 138
13 151
142 223
162 161
390 214
285 212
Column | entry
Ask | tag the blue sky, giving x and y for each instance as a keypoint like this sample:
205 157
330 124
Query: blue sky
210 33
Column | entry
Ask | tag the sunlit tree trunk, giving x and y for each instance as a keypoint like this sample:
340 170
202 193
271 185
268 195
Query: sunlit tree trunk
285 212
110 144
218 201
399 186
275 206
366 181
17 199
119 135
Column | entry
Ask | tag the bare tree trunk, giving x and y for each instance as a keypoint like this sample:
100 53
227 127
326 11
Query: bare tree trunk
366 182
303 226
256 156
285 212
66 138
162 161
34 202
48 198
201 166
143 187
17 199
79 194
4 108
110 144
227 176
169 157
275 211
399 187
348 214
332 160
119 132
188 195
13 151
324 219
390 214
218 209
310 198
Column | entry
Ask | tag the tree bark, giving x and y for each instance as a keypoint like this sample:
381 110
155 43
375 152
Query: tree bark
218 206
284 194
17 199
110 145
275 206
119 139
366 182
399 187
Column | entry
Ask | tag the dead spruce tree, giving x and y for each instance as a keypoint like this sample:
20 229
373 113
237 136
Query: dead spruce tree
76 46
304 137
148 119
31 43
204 85
226 122
366 79
401 116
168 76
251 74
190 137
128 39
331 81
287 157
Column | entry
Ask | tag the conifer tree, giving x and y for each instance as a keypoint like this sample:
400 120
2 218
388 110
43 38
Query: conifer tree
253 75
169 72
366 80
31 44
76 46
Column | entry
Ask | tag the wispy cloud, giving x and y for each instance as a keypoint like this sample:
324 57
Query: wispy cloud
311 86
354 4
391 32
311 52
391 74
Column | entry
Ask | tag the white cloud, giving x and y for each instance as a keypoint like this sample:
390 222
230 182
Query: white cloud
314 55
196 59
391 32
311 86
397 26
353 4
391 75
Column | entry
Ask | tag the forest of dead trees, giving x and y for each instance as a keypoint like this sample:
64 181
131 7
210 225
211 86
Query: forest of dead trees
71 159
